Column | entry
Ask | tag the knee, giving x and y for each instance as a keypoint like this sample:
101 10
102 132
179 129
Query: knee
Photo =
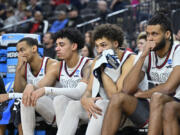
102 104
73 107
58 100
156 99
170 110
117 100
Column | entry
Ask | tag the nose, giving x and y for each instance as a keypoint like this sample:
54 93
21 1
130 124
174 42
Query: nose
149 37
57 48
99 50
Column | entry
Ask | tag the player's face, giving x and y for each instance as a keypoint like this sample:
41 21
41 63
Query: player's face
156 34
24 50
64 48
104 44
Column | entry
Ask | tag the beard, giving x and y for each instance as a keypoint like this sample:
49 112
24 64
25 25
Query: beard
160 45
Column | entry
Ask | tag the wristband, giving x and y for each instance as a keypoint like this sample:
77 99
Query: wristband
15 95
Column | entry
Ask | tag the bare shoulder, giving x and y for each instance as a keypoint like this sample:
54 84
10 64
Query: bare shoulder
53 64
129 62
131 59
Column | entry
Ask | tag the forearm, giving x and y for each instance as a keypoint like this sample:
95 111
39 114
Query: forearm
19 83
109 86
130 84
162 88
87 94
74 93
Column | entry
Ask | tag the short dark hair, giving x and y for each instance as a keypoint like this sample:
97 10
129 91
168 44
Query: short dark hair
29 41
73 35
165 23
110 31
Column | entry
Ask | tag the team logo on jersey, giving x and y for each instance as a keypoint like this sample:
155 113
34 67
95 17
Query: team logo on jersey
77 73
170 63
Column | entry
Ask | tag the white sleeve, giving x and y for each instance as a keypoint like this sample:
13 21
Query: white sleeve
176 61
74 93
15 95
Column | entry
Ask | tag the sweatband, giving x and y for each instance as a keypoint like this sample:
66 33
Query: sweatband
15 95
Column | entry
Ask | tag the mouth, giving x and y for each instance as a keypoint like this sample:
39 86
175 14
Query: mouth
59 55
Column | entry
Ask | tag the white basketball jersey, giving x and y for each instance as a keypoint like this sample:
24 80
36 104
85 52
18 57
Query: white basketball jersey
70 80
101 91
159 69
34 79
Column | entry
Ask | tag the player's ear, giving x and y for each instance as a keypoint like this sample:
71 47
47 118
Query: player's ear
74 46
116 44
34 48
168 34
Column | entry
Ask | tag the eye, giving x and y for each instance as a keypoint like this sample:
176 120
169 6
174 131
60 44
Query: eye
103 44
154 34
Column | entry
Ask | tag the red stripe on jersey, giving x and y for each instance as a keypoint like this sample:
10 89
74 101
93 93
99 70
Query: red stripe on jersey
149 67
26 72
83 67
46 64
60 70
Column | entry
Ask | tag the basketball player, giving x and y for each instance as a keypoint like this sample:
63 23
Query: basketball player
158 60
31 68
73 77
107 38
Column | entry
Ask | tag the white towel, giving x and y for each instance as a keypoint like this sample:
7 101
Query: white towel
111 62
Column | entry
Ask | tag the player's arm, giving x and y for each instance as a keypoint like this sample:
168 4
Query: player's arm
136 75
20 81
87 101
52 74
173 81
169 87
74 93
111 87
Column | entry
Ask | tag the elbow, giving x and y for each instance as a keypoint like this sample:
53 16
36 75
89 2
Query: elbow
128 90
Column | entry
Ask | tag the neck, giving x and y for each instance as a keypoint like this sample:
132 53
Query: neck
73 60
119 53
36 63
162 52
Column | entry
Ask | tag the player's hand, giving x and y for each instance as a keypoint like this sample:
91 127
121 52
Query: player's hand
90 106
37 94
149 46
21 62
26 99
4 97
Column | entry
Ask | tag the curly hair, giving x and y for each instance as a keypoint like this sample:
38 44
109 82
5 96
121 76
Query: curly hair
73 35
110 31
